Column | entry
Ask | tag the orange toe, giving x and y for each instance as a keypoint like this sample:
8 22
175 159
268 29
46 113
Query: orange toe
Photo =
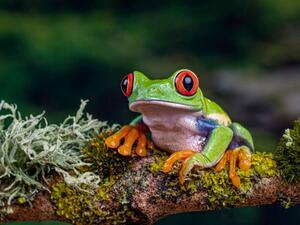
232 167
244 160
114 140
141 146
181 172
236 181
222 163
132 136
180 155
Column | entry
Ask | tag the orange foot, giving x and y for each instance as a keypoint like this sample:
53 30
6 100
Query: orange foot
184 156
130 134
241 154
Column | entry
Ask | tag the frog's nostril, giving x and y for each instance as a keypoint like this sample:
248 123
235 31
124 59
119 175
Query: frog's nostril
154 91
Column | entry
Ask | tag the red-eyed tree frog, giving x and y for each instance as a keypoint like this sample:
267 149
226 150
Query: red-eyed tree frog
194 129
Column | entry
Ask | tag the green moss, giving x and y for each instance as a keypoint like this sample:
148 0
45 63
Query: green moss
263 164
69 203
284 200
160 158
82 207
105 187
89 206
104 161
85 207
288 203
220 189
21 200
288 153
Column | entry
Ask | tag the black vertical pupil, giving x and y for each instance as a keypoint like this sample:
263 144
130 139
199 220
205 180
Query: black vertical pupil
124 84
188 82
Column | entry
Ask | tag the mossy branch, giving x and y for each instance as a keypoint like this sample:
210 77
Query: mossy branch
131 190
142 196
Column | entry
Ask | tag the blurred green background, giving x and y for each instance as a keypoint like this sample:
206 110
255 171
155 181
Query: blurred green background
246 54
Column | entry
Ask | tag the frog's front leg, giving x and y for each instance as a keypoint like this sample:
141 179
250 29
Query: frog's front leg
129 134
219 141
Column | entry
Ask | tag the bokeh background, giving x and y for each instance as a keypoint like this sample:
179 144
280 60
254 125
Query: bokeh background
246 54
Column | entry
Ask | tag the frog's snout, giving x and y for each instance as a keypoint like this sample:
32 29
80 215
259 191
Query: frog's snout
153 91
150 93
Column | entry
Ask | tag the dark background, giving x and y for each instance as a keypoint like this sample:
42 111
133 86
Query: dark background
246 54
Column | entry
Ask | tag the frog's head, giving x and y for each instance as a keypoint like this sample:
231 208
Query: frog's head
179 91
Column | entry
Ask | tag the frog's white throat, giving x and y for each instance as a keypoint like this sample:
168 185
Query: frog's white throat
162 113
169 121
143 106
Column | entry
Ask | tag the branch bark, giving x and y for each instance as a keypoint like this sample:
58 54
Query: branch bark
145 189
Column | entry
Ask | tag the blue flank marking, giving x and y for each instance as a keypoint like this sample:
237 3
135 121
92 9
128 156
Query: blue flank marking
205 126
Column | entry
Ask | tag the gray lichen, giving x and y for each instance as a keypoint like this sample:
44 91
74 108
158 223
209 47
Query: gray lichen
30 148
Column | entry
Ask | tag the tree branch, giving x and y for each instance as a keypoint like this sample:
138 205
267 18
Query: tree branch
148 198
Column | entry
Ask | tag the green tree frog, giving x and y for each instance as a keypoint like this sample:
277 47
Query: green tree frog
194 129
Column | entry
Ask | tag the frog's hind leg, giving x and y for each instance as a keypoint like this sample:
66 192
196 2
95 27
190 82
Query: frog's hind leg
243 134
242 155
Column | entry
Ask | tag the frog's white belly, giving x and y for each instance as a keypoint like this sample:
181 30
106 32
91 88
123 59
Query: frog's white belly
174 130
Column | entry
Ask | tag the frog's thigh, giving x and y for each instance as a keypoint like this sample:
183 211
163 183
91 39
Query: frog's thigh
219 141
241 131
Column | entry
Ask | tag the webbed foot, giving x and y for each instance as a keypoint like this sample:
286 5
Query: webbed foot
130 134
189 159
240 154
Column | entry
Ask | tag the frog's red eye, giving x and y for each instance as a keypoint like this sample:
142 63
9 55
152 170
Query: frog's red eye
127 84
186 83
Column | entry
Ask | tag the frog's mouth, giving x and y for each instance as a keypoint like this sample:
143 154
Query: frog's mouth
143 105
